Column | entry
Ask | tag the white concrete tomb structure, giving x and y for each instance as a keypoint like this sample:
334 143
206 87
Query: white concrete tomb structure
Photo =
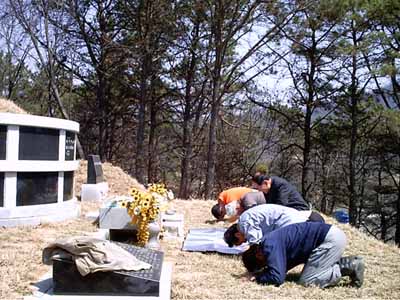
37 164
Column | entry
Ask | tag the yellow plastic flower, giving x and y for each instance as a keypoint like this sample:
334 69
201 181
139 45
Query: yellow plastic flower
143 209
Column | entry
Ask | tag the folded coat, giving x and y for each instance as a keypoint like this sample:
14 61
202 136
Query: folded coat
93 255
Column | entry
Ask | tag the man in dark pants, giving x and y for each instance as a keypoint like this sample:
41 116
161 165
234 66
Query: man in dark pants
279 191
317 245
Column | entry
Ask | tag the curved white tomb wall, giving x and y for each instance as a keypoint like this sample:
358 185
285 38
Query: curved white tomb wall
37 164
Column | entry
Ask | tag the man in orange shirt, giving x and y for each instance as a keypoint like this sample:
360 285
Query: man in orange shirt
228 202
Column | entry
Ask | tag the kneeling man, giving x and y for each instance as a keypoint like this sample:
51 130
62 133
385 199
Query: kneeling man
259 220
317 245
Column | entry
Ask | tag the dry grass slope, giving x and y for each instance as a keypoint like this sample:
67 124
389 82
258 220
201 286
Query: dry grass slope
7 106
195 275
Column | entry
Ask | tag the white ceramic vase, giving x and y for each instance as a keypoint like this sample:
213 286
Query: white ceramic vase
154 232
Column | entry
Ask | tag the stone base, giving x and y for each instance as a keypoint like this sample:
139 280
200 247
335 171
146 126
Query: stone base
117 220
43 290
94 192
32 215
172 225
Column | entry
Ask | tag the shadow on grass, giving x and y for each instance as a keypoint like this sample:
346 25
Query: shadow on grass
227 255
293 277
212 222
245 276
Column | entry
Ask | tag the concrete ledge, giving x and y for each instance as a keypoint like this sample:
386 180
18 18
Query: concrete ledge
38 121
37 214
38 166
44 289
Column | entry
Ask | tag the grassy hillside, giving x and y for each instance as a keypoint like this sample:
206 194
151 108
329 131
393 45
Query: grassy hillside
195 275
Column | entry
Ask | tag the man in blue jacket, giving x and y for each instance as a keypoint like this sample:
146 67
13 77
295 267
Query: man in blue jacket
317 245
279 191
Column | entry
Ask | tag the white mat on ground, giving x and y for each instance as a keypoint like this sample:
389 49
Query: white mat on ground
210 239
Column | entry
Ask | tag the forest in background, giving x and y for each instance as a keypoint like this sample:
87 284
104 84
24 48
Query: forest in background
201 94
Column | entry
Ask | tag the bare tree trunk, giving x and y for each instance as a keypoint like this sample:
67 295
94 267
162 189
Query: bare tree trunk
397 233
217 29
353 137
186 144
323 205
383 225
184 190
152 153
310 80
140 151
212 149
306 151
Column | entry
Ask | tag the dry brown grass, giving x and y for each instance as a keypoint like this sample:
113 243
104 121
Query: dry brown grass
8 106
196 275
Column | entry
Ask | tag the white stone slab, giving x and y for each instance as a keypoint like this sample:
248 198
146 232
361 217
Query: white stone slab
103 234
44 289
115 218
94 192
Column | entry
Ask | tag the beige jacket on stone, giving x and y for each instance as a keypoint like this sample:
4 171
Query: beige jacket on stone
93 255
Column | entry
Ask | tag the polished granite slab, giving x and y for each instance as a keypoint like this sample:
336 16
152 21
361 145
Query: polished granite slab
43 289
68 281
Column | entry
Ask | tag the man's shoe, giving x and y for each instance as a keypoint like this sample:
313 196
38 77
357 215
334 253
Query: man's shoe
353 266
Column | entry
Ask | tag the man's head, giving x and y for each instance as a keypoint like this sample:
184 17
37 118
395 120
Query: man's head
262 183
254 259
218 211
233 236
253 183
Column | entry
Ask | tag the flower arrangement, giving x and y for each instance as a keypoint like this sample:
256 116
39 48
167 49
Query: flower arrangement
160 189
144 206
143 209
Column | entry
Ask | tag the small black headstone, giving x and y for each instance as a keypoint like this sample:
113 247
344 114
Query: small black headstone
67 279
94 171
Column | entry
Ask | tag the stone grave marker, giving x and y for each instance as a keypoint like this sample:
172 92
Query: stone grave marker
68 281
96 187
94 170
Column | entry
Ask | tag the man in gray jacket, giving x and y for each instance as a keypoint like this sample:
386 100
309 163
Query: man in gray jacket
259 220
